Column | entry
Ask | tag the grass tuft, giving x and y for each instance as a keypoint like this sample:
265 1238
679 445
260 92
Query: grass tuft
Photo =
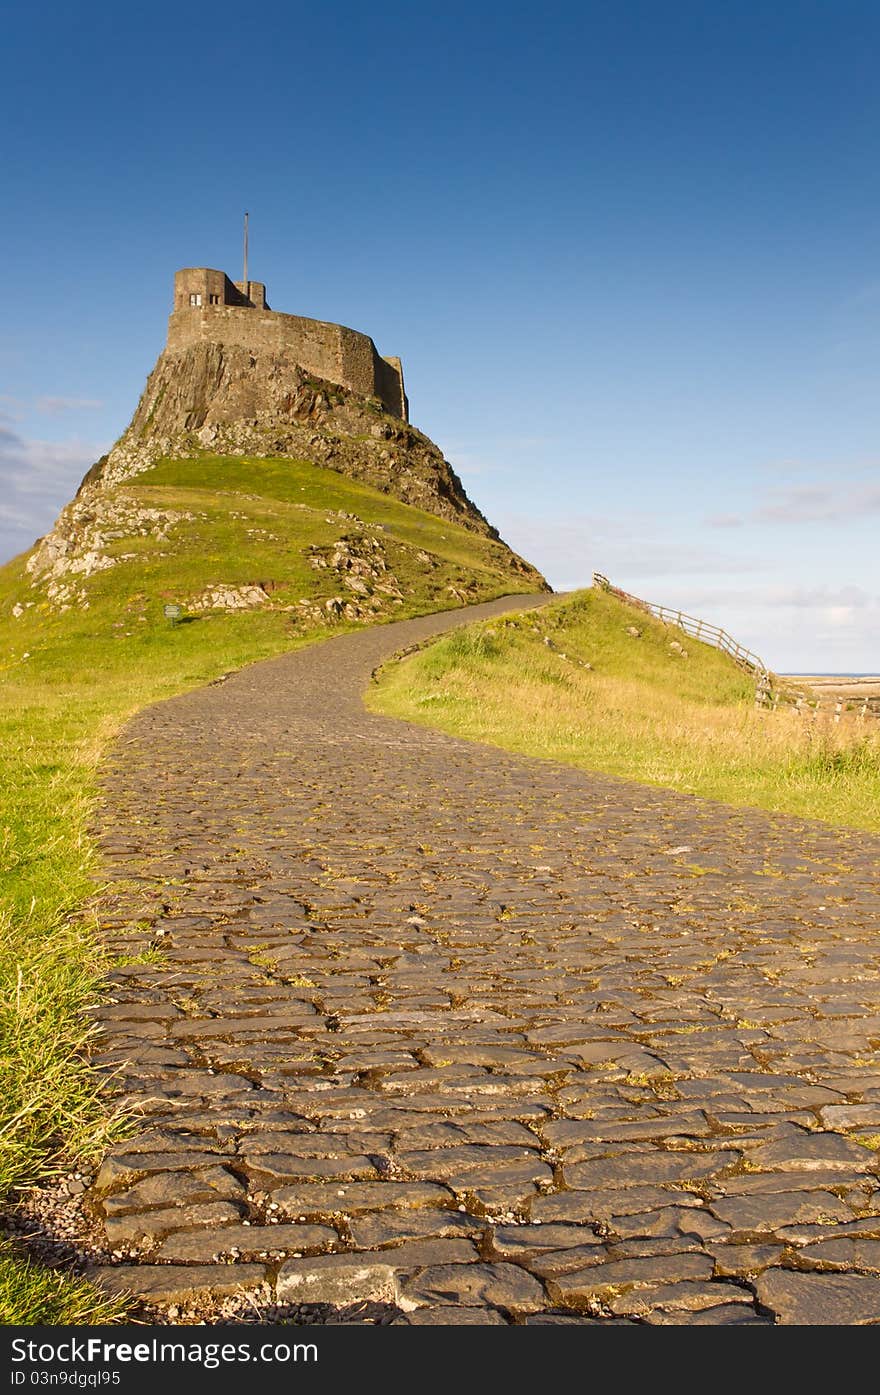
52 1110
30 1294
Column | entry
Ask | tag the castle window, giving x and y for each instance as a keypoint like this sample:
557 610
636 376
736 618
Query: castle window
214 299
195 298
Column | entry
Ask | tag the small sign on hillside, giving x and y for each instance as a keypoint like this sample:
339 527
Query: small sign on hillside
173 613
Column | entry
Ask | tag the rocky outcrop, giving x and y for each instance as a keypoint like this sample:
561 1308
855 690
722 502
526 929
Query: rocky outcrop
78 545
226 400
229 401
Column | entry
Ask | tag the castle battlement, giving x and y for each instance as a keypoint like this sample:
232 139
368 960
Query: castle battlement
210 308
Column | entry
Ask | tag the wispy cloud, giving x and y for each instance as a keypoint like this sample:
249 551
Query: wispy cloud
821 598
46 405
787 597
59 406
834 502
569 550
36 479
798 628
817 503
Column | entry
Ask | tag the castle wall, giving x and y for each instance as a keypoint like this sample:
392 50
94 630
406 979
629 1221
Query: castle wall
330 351
389 377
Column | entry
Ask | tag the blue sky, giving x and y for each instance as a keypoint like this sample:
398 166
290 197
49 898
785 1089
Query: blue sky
629 253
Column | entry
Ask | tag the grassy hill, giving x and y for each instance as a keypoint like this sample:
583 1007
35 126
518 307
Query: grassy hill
84 643
70 673
574 684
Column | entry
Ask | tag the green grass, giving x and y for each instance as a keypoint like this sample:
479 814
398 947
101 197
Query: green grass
291 502
641 712
69 680
31 1294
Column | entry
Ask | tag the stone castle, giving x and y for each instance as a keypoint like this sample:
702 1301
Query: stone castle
236 379
209 308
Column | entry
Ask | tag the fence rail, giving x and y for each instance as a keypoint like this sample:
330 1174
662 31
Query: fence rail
691 624
769 691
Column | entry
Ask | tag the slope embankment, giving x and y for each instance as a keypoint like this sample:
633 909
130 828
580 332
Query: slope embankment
605 686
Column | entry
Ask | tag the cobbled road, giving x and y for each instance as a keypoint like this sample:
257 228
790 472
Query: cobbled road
479 1038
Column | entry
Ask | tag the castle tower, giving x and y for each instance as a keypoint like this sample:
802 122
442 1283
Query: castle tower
210 308
198 287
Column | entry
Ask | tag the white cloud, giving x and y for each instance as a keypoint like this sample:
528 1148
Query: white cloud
797 628
47 405
788 597
839 615
36 479
834 501
815 503
626 549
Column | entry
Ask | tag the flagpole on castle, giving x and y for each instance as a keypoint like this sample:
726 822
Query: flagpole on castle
246 216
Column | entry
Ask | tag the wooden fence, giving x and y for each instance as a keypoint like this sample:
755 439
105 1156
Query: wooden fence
696 628
770 692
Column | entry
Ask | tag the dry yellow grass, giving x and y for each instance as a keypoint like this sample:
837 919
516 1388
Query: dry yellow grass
641 711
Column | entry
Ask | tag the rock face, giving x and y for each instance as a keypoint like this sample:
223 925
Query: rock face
226 399
230 401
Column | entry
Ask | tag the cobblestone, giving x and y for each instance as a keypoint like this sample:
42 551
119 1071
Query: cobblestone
470 1037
